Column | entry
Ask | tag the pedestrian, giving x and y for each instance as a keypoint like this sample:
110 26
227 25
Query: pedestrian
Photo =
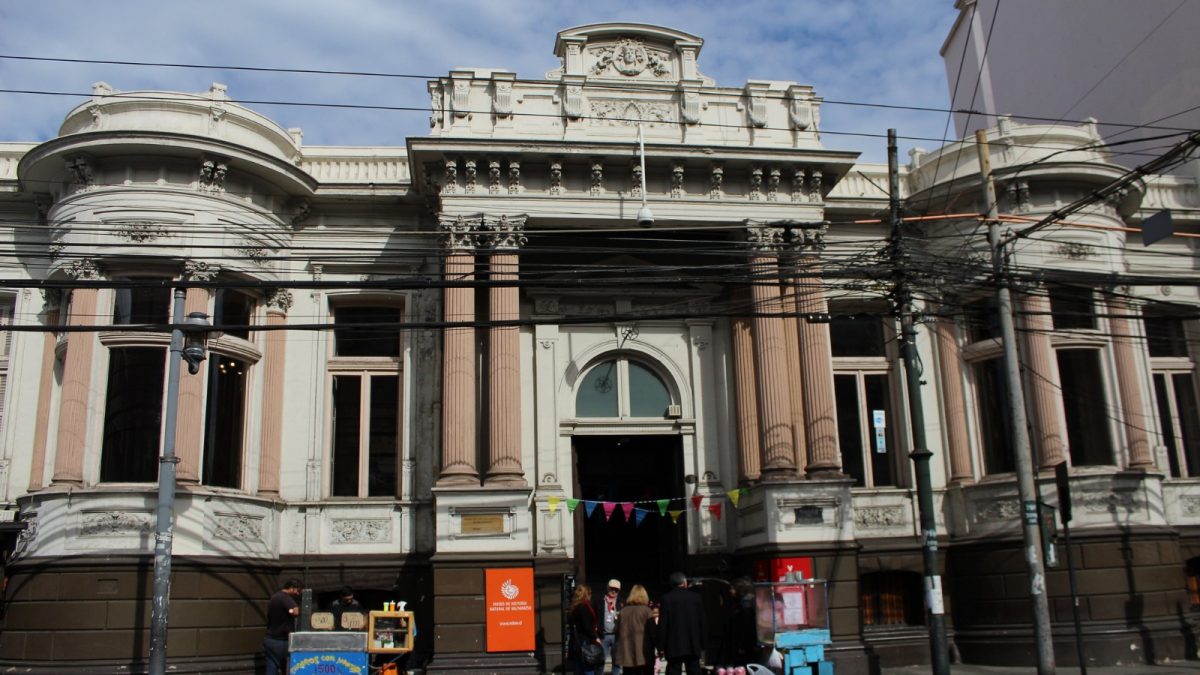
681 627
635 635
608 609
345 603
583 622
282 611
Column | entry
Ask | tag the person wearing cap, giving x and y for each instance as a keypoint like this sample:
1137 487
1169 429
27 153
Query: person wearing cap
608 610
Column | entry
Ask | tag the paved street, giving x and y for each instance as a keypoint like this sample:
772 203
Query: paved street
1161 669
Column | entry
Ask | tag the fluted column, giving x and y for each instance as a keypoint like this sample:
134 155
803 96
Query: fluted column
954 410
791 334
271 439
1133 399
76 378
1041 370
816 355
458 355
189 424
770 351
505 235
41 426
746 400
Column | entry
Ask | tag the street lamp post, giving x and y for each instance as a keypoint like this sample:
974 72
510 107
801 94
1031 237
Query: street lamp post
192 351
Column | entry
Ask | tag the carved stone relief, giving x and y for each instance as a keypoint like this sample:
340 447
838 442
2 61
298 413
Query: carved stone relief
631 58
115 524
998 509
237 527
360 531
878 517
626 113
139 231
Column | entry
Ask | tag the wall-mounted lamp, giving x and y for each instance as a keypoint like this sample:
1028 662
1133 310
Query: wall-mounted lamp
644 217
196 334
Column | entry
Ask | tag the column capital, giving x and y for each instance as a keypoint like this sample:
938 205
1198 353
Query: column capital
764 237
280 299
460 233
82 270
504 233
806 237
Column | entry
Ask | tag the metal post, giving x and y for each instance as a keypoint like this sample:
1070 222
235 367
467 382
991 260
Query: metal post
1020 434
166 500
939 653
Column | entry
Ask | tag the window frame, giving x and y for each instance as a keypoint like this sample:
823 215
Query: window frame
1168 367
366 368
624 410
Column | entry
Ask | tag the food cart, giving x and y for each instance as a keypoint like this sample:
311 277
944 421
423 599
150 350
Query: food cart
793 617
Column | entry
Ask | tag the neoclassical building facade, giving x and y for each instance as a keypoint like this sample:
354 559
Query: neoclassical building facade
466 354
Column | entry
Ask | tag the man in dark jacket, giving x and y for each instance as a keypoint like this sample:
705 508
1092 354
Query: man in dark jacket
282 611
681 627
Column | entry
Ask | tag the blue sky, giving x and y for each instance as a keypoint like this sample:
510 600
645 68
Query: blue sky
879 51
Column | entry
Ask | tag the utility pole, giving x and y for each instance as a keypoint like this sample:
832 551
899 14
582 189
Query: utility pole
1030 512
939 653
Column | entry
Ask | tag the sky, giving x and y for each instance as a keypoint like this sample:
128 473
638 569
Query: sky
853 51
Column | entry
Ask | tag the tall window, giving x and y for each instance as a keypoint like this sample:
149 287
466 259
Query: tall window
365 401
1175 390
621 388
6 315
1072 308
135 395
862 382
995 421
1087 412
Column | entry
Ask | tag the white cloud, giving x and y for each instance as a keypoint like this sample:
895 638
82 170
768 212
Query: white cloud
882 51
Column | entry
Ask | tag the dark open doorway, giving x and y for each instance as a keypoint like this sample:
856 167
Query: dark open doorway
636 469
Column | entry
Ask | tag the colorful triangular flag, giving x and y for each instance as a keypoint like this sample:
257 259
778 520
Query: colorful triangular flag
715 510
675 515
589 506
696 501
734 496
609 507
639 515
662 506
627 507
553 502
572 504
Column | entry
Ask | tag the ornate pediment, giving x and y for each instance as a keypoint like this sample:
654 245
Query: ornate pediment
630 57
626 52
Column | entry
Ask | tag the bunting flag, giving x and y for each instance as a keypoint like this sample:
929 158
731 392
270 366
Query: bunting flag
640 515
696 501
553 502
734 496
662 506
675 515
589 506
571 504
715 510
627 507
609 507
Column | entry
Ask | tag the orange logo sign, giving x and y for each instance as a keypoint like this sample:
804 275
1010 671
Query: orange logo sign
510 616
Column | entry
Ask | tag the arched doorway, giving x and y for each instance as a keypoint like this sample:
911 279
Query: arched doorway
631 454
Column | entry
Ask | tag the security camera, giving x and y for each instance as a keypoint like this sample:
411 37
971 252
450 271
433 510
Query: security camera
644 217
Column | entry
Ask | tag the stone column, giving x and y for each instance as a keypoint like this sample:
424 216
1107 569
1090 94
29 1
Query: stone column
189 424
271 439
1133 398
458 355
76 378
746 400
954 409
816 354
1041 373
505 235
791 334
770 352
41 430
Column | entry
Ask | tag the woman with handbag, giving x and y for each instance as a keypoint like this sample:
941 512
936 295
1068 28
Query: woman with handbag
587 653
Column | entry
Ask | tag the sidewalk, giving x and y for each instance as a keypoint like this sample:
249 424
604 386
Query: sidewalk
1173 668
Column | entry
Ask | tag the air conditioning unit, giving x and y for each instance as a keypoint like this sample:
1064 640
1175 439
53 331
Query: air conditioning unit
674 411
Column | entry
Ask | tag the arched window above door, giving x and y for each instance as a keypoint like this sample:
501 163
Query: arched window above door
619 387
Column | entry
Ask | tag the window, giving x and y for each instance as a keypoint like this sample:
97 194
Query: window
995 421
233 308
891 599
365 401
1175 392
6 315
862 383
135 396
621 388
983 319
1087 413
1072 308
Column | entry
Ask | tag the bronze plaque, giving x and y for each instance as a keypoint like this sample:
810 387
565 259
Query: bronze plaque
482 523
